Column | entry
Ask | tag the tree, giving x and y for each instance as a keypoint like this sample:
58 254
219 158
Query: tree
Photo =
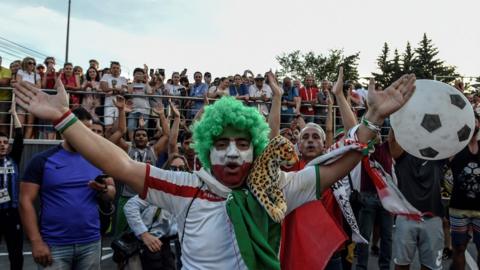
426 64
407 59
298 65
396 70
383 64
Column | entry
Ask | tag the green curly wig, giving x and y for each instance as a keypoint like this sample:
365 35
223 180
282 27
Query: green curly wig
224 113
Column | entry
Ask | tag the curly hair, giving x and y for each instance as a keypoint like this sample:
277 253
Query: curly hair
228 112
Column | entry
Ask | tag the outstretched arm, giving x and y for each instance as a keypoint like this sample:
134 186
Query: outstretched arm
274 116
348 117
162 143
173 137
117 136
99 151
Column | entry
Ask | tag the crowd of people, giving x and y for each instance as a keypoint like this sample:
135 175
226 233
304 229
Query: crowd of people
175 216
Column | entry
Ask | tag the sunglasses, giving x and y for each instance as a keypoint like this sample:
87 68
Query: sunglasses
177 168
31 63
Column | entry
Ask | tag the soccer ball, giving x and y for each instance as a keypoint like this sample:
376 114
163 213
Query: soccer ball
436 123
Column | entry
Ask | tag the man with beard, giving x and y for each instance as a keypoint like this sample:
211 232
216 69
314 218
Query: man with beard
465 201
222 225
139 151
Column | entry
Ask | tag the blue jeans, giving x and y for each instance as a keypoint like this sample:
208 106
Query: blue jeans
76 257
132 121
368 212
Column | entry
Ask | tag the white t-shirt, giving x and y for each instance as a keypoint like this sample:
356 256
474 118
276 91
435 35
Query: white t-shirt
31 78
117 81
219 92
253 91
209 240
174 90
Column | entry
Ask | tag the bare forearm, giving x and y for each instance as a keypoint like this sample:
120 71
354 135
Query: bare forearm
274 116
29 220
173 137
348 118
122 121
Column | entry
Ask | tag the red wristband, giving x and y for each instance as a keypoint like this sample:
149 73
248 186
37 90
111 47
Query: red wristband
65 115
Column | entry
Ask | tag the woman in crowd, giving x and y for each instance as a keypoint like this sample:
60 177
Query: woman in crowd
78 71
221 90
176 162
91 84
71 83
27 73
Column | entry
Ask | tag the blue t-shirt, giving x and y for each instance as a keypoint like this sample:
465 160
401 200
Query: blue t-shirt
69 213
289 94
238 91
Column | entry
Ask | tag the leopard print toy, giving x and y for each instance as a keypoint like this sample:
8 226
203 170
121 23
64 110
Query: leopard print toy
264 175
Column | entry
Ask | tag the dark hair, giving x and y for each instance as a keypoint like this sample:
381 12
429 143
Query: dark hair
183 80
207 74
221 79
98 122
138 70
87 76
172 157
67 64
197 72
105 70
139 129
187 135
82 114
48 58
114 63
93 60
3 134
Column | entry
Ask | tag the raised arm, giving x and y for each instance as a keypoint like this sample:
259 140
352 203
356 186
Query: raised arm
117 135
381 105
173 137
162 143
99 151
274 115
17 147
329 122
348 117
395 149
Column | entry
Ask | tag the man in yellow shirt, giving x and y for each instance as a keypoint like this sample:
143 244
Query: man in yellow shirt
5 97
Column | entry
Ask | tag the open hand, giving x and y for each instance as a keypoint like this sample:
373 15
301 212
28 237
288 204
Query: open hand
153 243
338 87
173 109
276 89
383 103
40 104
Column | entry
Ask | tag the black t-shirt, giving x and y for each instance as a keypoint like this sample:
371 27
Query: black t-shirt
466 180
419 180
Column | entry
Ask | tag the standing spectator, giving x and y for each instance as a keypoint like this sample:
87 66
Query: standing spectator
323 98
94 63
78 71
48 81
154 227
27 73
308 94
69 233
174 88
221 90
10 225
465 200
238 89
419 180
5 97
141 105
290 101
372 210
41 70
199 90
112 84
92 84
208 78
71 83
259 91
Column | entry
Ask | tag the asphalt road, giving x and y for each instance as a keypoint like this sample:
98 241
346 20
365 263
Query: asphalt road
108 264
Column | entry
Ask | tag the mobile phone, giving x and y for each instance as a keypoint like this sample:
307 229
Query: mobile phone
151 72
161 71
101 178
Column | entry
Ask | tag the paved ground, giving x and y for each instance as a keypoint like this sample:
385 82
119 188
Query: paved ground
108 264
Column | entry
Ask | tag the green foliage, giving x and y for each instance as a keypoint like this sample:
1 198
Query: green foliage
422 61
298 65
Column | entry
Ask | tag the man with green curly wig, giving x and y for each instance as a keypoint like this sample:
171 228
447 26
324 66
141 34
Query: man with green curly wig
220 225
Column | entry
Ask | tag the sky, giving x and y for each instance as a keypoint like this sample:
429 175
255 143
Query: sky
228 36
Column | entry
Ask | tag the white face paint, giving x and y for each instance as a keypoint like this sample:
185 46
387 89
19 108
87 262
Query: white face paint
231 155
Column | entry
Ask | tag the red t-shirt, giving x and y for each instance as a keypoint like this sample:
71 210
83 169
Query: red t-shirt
71 82
308 94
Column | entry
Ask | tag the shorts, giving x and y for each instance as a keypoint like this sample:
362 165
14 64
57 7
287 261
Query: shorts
460 223
111 114
426 236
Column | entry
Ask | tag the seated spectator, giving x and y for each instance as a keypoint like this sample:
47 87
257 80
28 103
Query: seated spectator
71 83
141 105
308 94
112 84
92 84
155 227
290 101
221 90
259 91
238 89
27 73
48 81
5 97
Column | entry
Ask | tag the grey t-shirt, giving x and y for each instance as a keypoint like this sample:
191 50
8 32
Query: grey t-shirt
419 180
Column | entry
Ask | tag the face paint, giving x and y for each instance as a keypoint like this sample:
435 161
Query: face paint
231 165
